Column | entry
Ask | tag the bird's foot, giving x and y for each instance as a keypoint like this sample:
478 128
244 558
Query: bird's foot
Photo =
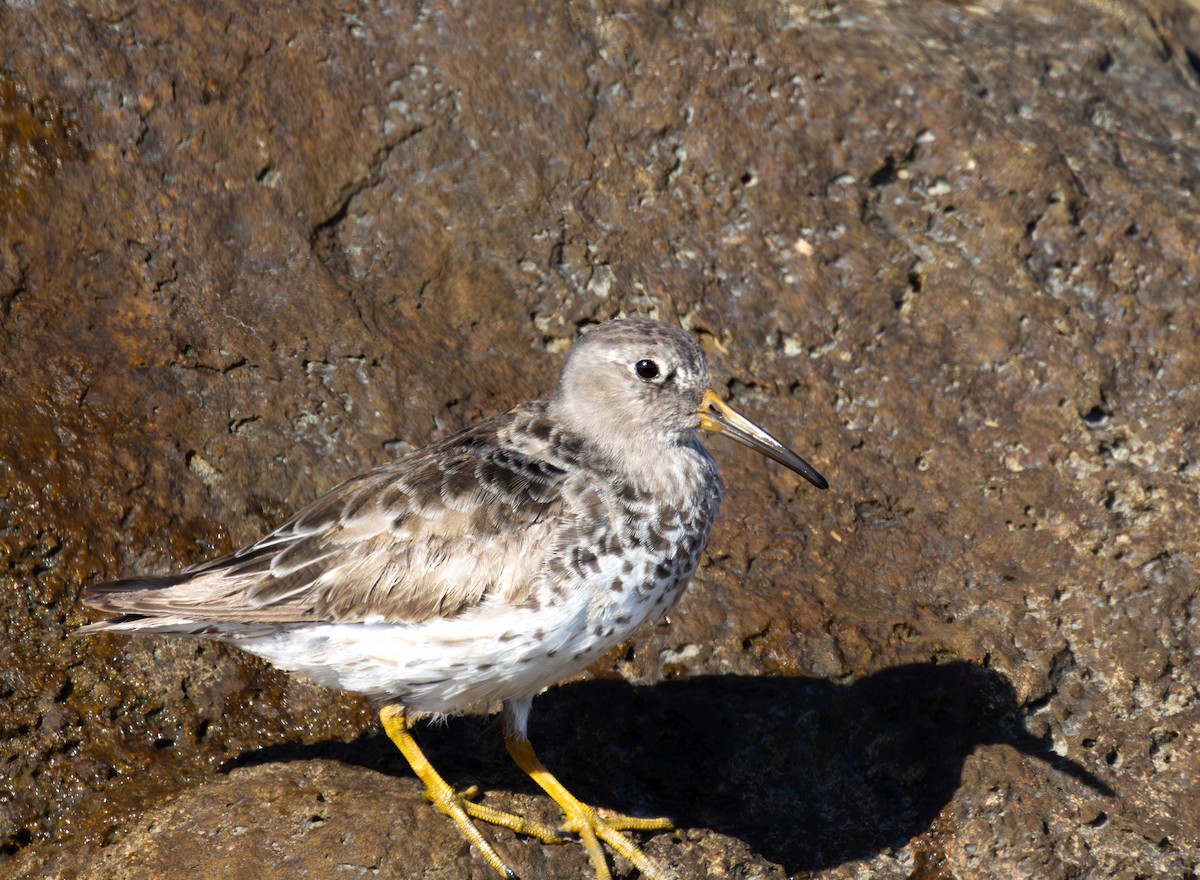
592 827
449 803
460 807
581 820
588 823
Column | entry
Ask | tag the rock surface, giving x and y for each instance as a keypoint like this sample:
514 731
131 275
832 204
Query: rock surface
948 250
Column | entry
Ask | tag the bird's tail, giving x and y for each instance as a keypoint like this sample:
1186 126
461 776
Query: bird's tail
132 601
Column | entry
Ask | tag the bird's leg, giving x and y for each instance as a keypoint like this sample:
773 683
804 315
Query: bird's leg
585 821
451 803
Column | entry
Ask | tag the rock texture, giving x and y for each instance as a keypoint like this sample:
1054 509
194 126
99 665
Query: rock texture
948 250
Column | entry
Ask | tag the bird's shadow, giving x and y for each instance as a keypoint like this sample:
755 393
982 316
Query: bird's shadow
807 773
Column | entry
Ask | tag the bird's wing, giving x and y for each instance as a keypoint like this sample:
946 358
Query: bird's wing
428 535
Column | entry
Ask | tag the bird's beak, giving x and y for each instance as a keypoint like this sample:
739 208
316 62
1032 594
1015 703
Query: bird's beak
720 418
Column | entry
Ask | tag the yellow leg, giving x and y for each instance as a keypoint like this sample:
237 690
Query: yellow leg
586 822
459 808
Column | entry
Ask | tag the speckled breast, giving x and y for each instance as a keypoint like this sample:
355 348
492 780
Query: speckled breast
646 545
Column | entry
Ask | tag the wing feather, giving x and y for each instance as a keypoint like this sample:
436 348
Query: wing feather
430 534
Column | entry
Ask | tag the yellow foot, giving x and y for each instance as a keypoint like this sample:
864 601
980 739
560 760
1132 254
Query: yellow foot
590 825
466 801
460 807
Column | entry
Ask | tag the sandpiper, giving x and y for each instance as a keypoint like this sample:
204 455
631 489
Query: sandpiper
487 566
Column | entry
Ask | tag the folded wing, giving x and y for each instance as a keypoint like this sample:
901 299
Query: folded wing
428 535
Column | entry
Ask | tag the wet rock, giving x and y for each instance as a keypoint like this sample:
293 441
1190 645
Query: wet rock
947 250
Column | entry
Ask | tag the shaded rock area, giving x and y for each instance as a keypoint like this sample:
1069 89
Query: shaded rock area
948 250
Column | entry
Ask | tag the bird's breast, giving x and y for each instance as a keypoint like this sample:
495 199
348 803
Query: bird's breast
637 546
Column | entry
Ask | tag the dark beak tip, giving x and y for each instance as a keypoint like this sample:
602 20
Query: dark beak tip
813 476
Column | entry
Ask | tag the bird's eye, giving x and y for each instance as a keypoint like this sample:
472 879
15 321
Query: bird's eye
646 369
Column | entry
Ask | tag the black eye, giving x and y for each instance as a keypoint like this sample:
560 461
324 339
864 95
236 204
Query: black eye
646 369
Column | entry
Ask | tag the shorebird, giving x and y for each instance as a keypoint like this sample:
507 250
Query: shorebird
487 566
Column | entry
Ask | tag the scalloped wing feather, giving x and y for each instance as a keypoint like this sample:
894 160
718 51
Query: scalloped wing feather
425 536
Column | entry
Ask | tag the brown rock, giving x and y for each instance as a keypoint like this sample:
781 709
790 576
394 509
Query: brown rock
948 250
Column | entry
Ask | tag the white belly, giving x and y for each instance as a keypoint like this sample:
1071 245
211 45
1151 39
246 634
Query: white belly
478 658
